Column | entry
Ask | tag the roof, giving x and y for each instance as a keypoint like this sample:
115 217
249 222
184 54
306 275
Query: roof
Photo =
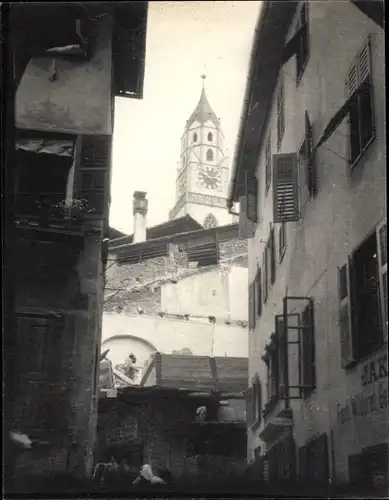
176 226
203 111
262 77
200 373
115 233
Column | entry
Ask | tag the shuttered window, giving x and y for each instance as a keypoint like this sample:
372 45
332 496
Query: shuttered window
281 241
251 193
308 351
268 164
361 111
246 226
302 53
258 281
310 158
281 352
272 257
280 110
93 172
285 188
383 275
252 314
265 274
345 324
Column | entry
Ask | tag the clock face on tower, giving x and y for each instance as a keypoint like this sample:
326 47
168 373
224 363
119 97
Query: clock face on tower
209 177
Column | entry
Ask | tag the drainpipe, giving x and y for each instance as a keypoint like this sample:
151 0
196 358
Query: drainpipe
247 97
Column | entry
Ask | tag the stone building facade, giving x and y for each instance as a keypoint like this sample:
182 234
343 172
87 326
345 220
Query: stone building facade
64 115
315 213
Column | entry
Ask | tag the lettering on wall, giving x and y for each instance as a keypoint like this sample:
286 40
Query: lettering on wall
207 199
373 395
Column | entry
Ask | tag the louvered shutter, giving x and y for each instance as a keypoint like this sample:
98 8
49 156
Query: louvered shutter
252 198
364 64
246 226
352 79
93 172
285 188
345 321
382 246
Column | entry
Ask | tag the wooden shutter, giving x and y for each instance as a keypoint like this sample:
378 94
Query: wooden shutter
308 351
345 321
246 226
259 291
281 354
285 188
252 306
93 172
272 249
265 274
382 246
352 79
311 166
252 197
268 164
364 64
280 110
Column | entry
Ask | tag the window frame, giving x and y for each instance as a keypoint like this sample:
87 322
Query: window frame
280 93
353 85
268 165
282 249
304 38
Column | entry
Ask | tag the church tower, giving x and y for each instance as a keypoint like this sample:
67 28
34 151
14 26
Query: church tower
202 174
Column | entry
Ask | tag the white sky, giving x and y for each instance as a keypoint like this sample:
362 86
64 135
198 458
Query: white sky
184 40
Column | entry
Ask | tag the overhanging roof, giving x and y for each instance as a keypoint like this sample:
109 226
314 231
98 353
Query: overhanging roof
269 40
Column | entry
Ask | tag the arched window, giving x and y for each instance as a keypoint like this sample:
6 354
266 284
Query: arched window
209 155
194 137
210 137
210 221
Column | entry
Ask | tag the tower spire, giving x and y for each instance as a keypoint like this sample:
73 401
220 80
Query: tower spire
203 77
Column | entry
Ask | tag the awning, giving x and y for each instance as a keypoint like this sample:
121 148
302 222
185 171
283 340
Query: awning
46 146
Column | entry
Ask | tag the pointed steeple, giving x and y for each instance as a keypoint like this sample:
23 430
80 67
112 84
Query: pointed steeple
203 111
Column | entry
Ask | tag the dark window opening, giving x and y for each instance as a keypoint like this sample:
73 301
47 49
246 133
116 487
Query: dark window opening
259 292
41 183
194 137
369 332
280 111
209 155
303 47
210 137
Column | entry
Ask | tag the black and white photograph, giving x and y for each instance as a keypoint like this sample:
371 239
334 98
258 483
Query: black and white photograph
194 249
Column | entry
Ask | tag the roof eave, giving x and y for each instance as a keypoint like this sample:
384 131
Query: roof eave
263 71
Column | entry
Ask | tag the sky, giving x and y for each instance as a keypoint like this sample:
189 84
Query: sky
184 40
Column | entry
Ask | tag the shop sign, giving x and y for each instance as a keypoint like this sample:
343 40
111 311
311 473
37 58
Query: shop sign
373 395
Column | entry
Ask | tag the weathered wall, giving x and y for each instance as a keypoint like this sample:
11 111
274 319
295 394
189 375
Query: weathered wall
60 104
144 312
348 206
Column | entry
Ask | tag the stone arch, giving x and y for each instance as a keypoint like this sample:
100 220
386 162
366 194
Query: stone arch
210 221
130 337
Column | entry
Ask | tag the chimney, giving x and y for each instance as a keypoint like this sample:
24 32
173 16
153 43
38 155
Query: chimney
139 210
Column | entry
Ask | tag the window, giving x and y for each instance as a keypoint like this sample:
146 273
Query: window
265 274
210 137
286 200
209 155
309 158
271 256
302 53
280 111
257 399
281 241
251 197
210 221
258 281
194 137
308 364
361 114
252 306
363 295
43 168
268 164
272 372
